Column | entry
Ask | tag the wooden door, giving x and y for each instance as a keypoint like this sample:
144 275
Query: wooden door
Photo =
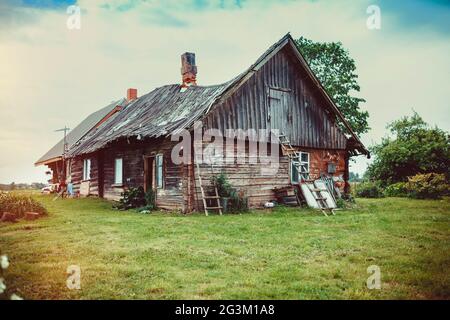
149 173
279 110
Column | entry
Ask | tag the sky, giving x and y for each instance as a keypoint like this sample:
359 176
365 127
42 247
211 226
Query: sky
52 76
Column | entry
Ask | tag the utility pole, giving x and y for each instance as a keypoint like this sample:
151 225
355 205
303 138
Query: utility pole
65 129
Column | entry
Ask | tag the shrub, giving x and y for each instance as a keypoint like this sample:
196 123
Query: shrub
427 186
19 204
137 198
369 190
237 202
132 198
223 185
396 190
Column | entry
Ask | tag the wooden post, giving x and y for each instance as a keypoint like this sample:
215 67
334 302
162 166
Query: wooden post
346 175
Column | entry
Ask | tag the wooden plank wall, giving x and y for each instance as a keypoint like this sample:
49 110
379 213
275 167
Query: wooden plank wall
171 197
245 177
257 187
77 174
310 123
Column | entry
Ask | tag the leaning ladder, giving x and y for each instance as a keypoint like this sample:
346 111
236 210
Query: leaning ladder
291 153
204 196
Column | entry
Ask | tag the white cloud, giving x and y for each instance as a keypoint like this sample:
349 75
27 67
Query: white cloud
53 77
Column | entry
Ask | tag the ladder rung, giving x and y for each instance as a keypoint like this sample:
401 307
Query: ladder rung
212 197
320 198
213 208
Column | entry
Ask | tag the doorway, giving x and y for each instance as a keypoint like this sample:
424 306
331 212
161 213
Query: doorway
149 172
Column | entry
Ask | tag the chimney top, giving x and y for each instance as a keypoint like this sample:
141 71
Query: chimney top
188 69
131 94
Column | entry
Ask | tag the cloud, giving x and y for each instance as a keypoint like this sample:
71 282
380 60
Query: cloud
55 77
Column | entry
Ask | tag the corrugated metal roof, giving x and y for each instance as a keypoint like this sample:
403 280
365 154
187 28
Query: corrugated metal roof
79 131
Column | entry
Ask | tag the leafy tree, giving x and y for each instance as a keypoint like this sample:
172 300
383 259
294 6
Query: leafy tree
415 148
336 70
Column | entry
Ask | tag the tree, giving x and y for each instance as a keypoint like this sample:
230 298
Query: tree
415 148
336 70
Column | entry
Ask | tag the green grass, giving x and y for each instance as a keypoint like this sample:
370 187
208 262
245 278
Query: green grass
280 254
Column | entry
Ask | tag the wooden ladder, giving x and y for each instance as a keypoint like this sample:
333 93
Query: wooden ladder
321 201
291 153
204 196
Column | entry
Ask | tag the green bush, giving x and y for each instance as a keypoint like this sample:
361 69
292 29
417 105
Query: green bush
19 204
427 186
132 198
396 190
150 200
223 185
136 198
369 190
237 202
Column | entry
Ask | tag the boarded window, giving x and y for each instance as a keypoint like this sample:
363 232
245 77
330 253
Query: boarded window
118 171
87 169
159 171
300 167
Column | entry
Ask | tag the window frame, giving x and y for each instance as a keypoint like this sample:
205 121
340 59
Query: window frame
159 171
116 161
87 169
298 158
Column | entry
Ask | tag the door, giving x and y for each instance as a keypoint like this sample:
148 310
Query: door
149 173
279 110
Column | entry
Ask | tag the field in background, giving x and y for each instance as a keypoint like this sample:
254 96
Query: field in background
281 254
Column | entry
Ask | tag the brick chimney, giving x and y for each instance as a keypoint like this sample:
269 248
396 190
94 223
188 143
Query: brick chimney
188 69
131 94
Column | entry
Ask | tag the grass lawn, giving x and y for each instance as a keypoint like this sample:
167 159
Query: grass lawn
279 254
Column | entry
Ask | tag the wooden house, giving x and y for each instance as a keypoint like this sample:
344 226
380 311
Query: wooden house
133 146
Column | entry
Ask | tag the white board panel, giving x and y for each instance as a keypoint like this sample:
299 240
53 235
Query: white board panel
310 200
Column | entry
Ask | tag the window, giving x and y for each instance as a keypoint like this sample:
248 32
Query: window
159 171
118 171
300 167
87 169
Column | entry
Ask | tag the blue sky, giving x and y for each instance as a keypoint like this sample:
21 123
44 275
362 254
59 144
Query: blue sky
409 14
55 76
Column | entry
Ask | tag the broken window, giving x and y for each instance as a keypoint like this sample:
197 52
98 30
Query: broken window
87 169
299 167
118 171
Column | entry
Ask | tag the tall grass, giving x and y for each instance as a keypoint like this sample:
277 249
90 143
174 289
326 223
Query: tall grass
19 204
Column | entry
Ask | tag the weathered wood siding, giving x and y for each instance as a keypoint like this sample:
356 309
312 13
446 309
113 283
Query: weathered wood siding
249 179
77 173
170 197
308 124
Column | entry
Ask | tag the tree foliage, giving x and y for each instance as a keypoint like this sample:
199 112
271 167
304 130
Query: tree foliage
415 148
336 70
